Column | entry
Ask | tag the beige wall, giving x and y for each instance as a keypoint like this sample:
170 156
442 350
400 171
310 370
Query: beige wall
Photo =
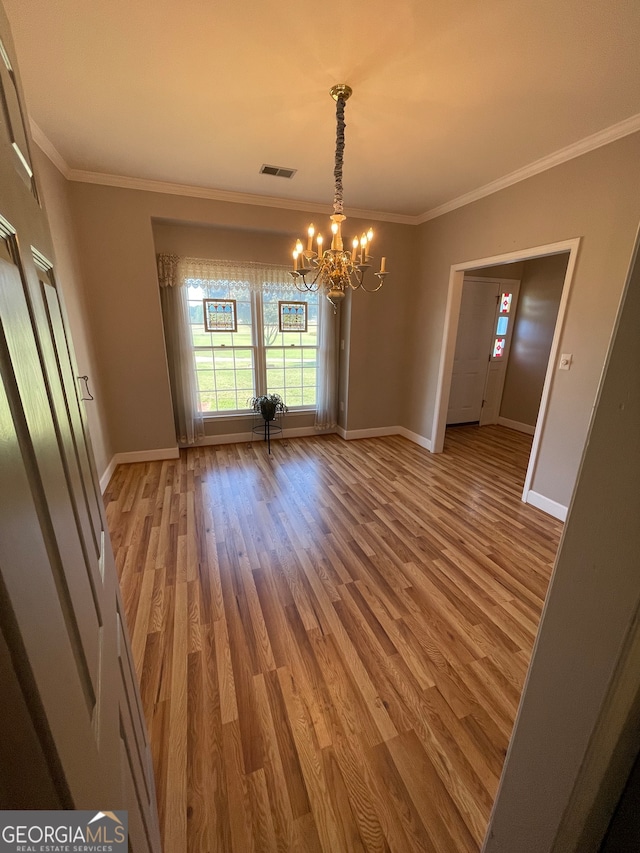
594 197
540 291
231 244
116 233
54 190
513 270
375 357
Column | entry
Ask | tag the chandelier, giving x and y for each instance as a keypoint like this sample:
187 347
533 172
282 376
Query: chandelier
336 269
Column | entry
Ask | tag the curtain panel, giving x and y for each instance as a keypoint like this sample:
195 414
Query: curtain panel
327 389
187 416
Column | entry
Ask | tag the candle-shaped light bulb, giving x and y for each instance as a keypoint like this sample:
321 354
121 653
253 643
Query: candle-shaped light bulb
299 247
310 232
370 235
355 248
295 260
319 241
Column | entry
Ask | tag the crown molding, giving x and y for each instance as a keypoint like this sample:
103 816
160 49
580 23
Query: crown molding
168 188
584 146
47 147
589 143
148 185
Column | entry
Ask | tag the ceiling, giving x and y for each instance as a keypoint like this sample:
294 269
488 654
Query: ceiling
449 95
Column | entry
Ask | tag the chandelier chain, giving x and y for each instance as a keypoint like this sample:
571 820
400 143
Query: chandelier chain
337 172
335 269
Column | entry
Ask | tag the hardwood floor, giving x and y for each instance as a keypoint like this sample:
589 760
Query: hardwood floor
331 641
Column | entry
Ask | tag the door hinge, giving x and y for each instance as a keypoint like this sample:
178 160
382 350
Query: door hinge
483 402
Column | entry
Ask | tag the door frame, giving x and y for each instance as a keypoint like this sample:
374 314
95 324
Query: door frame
452 313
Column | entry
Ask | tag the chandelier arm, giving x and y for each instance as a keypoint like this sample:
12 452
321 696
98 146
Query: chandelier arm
307 286
337 172
372 289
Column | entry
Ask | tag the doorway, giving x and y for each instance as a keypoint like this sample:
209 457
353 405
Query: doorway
452 313
483 343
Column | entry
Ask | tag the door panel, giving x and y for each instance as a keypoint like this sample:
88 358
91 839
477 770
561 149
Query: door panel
137 754
475 327
70 668
31 578
40 402
86 506
67 373
14 119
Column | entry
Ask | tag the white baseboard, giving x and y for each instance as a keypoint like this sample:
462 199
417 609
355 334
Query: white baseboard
374 432
547 505
225 438
507 422
241 437
108 474
415 437
136 456
237 437
147 455
377 432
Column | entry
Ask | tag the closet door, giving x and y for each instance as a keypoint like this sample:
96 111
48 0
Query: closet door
71 699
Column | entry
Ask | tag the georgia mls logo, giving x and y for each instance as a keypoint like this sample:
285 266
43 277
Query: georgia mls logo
118 831
112 815
63 831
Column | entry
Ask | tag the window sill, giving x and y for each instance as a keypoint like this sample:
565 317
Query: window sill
232 416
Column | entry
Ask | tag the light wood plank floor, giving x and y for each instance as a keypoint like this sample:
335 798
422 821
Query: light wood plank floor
331 641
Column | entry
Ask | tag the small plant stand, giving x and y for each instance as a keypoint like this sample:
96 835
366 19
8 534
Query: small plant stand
267 428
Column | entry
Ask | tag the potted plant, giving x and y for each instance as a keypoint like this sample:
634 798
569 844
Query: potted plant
268 405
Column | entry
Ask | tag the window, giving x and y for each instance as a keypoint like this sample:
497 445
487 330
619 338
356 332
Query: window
291 356
502 325
256 358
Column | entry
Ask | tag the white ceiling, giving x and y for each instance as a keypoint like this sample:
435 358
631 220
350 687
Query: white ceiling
449 95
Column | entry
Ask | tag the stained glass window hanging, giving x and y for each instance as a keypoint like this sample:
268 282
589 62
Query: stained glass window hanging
505 303
292 316
498 347
220 315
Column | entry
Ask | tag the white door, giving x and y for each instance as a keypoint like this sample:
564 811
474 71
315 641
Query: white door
473 344
70 719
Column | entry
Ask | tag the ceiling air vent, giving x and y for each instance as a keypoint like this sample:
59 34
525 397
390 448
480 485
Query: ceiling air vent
277 171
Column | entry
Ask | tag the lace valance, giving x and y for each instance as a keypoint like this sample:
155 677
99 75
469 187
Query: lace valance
174 271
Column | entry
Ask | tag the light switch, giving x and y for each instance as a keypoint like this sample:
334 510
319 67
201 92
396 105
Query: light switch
565 361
